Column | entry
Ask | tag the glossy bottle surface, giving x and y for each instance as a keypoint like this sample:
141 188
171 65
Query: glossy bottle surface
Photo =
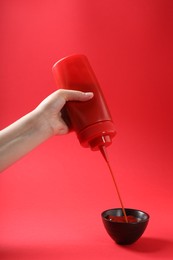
91 120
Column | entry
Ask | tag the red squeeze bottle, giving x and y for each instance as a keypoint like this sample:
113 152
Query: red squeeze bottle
91 120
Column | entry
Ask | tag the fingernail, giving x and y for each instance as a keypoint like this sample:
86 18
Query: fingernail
89 94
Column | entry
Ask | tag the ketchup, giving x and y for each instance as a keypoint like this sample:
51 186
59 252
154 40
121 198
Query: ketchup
131 219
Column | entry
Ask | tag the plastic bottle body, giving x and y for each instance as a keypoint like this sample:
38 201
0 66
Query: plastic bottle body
91 120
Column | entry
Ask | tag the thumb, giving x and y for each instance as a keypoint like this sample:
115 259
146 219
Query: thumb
74 95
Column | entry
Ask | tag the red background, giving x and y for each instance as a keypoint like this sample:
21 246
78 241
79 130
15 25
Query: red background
51 200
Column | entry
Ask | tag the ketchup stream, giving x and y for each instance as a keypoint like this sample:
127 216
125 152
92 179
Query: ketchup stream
104 153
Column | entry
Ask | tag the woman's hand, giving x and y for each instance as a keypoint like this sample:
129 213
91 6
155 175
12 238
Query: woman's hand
37 126
50 108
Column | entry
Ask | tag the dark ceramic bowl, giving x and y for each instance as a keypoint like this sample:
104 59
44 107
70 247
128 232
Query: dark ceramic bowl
125 233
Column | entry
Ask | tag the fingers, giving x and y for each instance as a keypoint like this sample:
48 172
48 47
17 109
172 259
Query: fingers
74 95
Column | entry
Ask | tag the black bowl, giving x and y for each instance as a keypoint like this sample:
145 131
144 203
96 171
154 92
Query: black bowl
125 233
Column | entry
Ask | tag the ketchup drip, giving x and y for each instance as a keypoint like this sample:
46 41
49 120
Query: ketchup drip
104 153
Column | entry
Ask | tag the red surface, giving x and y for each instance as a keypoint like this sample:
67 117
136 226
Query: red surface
51 200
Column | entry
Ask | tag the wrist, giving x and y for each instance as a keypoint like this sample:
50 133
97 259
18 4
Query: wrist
40 125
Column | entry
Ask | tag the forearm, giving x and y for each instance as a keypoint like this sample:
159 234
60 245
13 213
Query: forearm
21 137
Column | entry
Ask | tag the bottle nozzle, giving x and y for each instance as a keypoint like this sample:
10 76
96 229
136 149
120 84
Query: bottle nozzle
104 152
101 141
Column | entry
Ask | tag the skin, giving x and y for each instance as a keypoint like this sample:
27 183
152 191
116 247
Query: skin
34 128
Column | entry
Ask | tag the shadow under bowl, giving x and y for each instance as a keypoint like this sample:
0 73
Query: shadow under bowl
124 233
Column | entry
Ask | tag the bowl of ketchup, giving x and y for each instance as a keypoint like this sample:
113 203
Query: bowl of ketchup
125 231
